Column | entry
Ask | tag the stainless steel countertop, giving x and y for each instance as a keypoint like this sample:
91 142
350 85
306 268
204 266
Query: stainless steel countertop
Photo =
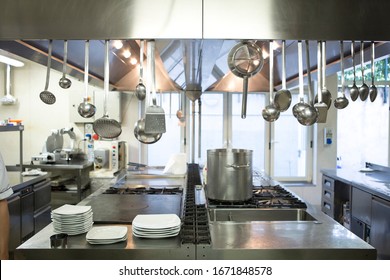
73 164
375 182
321 239
18 181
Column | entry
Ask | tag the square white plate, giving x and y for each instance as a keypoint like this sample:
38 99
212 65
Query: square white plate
156 221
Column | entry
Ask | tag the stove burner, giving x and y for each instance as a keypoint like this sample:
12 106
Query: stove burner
145 190
263 197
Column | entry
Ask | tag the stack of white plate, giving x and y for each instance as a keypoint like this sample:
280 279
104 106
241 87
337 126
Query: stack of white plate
107 234
72 219
156 225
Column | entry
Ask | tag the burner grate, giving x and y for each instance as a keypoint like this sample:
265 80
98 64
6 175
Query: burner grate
263 197
144 190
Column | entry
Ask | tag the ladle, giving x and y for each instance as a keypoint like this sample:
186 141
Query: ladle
341 102
86 109
140 90
373 89
139 127
354 91
145 138
282 99
271 112
307 116
64 82
363 90
301 105
179 112
46 96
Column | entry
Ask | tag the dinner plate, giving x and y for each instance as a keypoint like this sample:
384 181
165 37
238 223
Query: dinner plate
141 232
107 232
154 236
156 221
68 209
157 230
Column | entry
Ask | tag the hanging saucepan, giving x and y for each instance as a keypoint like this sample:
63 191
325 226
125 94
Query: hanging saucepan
245 60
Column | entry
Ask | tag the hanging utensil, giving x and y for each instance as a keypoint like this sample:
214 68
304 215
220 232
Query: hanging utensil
354 91
46 96
308 116
145 138
321 106
154 114
245 60
271 113
363 90
301 105
179 112
86 109
373 90
106 127
326 95
341 102
64 82
282 99
140 90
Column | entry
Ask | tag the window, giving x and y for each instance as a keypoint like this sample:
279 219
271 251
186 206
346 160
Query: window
286 159
363 127
159 153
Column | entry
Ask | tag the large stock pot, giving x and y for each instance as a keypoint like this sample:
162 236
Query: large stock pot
229 174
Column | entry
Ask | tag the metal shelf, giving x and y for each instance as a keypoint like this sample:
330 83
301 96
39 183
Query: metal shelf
6 128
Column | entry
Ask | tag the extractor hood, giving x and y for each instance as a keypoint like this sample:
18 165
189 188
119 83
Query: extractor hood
193 37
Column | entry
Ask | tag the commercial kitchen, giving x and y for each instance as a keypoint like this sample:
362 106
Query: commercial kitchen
196 130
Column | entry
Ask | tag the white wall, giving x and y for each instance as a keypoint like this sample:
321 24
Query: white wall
39 118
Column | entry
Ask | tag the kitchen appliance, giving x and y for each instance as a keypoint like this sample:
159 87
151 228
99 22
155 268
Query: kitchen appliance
229 174
110 156
53 150
272 196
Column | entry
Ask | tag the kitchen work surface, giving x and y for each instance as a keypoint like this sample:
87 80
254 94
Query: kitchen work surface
212 232
113 208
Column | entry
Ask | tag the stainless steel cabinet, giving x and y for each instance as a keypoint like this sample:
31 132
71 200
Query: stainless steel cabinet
334 194
361 205
380 227
15 221
29 209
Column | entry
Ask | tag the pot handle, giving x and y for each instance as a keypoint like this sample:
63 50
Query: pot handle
237 166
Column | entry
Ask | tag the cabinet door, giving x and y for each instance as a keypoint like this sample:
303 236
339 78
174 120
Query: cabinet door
361 205
27 215
380 227
14 214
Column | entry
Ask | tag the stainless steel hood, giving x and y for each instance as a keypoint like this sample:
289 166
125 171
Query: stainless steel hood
193 37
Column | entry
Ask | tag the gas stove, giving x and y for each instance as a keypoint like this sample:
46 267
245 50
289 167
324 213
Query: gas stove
145 189
263 197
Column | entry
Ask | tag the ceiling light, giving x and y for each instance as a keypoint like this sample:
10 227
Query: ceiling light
126 53
11 61
118 44
133 61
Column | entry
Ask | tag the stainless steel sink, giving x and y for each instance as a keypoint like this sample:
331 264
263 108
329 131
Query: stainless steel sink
256 214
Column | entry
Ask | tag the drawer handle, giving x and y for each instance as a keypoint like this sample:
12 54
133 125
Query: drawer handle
327 194
327 206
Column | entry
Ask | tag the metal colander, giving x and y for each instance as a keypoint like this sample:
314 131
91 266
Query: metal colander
245 60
